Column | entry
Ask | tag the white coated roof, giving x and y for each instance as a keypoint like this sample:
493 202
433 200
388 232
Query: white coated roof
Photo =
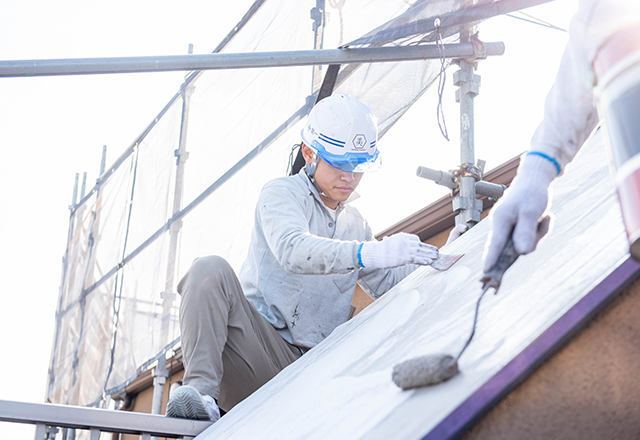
342 388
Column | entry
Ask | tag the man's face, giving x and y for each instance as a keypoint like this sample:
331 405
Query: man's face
336 184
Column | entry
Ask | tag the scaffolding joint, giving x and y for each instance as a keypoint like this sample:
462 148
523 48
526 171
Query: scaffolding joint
468 83
468 170
479 50
316 15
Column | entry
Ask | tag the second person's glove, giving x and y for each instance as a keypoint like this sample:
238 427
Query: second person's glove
520 209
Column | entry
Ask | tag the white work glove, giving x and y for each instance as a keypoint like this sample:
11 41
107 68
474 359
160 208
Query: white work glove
456 232
397 250
520 209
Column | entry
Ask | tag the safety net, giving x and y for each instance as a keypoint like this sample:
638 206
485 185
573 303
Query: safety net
187 186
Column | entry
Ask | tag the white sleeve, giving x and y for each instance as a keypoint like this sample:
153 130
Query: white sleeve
569 112
281 217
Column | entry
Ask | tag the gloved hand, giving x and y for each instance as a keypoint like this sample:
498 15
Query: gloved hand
397 250
519 210
456 232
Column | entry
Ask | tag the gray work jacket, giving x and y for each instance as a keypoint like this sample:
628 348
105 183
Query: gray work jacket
302 266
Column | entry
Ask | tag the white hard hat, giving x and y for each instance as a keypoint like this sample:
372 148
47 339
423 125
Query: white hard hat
343 132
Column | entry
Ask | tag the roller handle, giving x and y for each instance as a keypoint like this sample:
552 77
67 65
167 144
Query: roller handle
493 278
509 255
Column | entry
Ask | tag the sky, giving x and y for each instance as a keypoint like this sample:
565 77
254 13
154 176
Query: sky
54 127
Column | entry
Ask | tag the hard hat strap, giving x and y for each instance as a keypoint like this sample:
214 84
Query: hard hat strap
310 168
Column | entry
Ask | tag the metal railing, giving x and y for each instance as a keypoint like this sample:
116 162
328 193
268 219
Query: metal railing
45 415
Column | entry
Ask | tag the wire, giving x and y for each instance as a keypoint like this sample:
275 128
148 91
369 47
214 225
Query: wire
542 21
442 78
117 294
537 21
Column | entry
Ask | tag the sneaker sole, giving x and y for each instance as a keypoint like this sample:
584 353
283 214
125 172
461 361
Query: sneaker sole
186 403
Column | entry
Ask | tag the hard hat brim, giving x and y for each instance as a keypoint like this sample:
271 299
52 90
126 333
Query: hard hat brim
350 162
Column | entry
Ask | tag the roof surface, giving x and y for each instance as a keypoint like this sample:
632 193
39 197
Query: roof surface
342 388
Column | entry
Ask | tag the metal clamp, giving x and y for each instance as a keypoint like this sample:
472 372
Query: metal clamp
479 50
468 170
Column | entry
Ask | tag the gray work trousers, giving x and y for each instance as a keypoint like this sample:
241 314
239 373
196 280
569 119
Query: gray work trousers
229 349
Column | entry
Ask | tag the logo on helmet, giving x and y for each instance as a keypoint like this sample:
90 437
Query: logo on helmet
359 142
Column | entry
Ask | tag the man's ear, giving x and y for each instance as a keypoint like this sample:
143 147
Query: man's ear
307 153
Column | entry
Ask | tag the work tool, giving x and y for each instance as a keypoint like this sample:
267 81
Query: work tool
435 368
444 262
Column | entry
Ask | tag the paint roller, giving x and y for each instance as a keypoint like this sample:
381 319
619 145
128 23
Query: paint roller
435 368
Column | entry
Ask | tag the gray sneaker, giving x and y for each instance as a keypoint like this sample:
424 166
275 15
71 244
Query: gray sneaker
187 403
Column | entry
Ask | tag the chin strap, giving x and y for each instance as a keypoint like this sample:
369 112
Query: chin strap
310 169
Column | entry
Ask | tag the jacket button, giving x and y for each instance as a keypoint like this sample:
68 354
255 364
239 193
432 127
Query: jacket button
330 225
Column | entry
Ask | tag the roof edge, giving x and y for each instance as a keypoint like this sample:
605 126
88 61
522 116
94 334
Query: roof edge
524 364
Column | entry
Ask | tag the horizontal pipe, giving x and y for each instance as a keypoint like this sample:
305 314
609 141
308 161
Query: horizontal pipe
213 61
440 177
67 416
492 190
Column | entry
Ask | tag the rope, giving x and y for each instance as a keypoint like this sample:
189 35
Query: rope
338 4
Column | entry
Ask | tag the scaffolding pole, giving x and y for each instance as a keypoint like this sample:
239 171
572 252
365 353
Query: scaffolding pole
214 61
469 208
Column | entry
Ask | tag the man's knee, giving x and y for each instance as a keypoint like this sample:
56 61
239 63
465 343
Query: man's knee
209 265
209 269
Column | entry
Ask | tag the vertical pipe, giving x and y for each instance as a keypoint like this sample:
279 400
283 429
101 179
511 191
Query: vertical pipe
467 152
168 296
73 220
466 205
84 185
75 192
41 431
103 162
95 434
159 379
181 154
318 14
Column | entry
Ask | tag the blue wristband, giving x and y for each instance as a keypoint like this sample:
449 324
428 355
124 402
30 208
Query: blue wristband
549 158
360 255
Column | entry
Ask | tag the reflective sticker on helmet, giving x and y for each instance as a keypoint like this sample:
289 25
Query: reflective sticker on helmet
331 141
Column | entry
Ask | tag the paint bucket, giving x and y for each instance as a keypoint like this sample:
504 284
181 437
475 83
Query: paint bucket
617 69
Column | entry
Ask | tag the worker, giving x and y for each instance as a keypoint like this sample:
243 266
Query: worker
308 250
603 48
